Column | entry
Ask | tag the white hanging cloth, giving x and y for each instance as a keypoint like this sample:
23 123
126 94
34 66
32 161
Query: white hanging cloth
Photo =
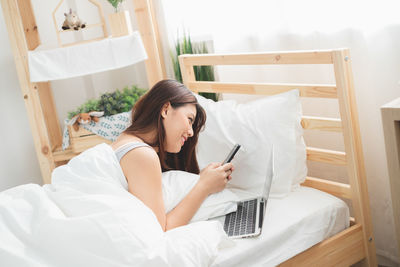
88 58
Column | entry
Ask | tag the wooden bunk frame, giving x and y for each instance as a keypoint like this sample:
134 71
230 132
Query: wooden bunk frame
356 243
38 97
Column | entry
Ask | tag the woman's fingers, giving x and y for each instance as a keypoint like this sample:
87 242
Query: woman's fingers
215 164
227 166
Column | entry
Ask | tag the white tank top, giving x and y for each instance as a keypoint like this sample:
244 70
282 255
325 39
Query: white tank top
125 148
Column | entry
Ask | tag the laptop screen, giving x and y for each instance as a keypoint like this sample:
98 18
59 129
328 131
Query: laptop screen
269 176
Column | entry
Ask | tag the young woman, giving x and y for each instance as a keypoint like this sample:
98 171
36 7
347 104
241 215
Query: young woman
166 122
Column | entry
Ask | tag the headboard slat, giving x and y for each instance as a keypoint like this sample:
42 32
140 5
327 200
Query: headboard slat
334 188
306 90
287 57
321 123
326 156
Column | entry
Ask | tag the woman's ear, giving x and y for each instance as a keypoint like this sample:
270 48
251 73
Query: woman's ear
165 109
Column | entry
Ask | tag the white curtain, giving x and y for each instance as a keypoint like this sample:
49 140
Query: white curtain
371 29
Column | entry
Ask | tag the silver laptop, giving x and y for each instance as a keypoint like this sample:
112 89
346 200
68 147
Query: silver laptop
247 220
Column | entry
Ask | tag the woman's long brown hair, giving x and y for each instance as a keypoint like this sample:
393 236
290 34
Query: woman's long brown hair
146 116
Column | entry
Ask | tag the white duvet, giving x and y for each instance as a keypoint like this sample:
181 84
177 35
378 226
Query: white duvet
87 218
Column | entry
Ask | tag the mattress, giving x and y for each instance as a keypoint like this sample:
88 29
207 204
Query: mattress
292 225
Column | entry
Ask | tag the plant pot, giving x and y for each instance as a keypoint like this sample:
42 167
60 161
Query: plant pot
120 23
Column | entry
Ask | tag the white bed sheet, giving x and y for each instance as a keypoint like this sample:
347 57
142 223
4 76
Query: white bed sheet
292 224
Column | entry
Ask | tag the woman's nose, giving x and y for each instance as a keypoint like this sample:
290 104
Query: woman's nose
190 132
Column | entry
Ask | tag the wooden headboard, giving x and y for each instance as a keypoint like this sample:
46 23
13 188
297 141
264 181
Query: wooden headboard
359 237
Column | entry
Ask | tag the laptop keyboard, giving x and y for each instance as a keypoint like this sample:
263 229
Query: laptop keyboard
243 220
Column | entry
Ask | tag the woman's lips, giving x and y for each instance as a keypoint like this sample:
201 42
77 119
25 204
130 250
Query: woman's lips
183 140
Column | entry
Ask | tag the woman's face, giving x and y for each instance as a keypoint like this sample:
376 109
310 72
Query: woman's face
178 125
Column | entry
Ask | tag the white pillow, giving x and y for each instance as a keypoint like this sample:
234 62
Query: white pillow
177 184
256 126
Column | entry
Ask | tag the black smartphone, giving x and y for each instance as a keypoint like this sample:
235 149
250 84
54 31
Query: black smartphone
231 154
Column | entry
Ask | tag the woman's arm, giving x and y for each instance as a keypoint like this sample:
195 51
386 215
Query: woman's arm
213 178
142 168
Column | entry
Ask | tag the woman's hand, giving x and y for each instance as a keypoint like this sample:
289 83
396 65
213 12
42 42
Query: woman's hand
215 176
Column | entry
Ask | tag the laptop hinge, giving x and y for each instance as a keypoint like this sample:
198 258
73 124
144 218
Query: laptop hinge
261 217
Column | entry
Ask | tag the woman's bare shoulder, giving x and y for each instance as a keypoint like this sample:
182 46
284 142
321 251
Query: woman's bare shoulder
141 159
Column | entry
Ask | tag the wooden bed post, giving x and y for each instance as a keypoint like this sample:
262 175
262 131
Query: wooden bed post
148 32
187 71
23 34
353 149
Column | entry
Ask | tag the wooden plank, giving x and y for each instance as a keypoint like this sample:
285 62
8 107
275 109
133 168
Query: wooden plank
45 94
187 72
63 155
86 27
81 144
391 128
276 58
146 28
83 139
326 156
120 23
343 249
353 149
85 142
19 45
56 27
321 123
102 18
334 188
157 37
82 42
29 23
50 114
81 132
306 90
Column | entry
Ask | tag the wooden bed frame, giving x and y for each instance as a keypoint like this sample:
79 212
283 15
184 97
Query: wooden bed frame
350 246
356 243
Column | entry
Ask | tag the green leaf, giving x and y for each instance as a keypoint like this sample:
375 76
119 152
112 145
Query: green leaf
184 45
111 103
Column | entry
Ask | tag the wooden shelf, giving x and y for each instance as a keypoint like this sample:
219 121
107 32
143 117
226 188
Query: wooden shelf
82 29
60 155
38 97
102 24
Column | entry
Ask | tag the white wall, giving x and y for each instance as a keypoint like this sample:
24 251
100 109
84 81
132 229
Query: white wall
18 162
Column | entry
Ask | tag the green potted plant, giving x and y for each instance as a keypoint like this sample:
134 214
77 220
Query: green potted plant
111 103
202 73
120 21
